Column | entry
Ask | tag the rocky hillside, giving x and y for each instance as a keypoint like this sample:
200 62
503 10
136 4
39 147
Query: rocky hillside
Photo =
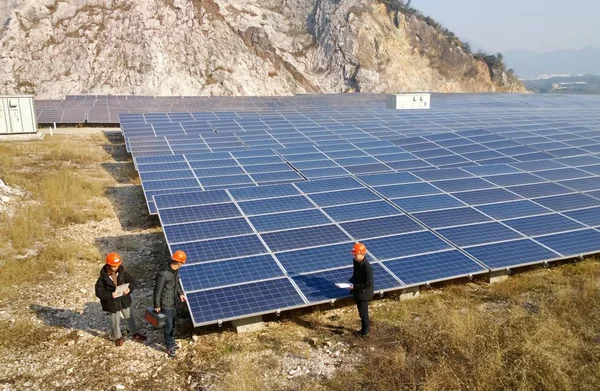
229 47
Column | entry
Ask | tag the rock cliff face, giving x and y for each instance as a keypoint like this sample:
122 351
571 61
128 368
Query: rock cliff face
227 47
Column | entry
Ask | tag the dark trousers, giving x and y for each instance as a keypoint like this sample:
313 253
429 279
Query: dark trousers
363 312
169 329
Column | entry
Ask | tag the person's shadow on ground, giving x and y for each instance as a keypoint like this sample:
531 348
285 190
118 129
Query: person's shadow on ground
94 321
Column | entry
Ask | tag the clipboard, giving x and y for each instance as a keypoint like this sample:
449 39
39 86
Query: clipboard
120 290
343 285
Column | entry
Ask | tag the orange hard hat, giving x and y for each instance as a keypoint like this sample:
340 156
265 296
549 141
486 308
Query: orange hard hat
359 248
179 256
113 259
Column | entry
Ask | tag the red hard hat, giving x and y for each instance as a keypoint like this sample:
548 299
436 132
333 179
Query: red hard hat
179 256
113 259
359 248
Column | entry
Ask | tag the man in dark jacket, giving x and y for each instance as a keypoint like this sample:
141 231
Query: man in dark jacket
112 275
362 286
167 292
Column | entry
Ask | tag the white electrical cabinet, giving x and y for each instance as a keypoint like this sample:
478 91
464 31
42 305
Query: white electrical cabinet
17 115
412 101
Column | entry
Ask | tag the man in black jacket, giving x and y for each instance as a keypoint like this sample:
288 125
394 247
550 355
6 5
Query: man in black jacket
112 275
362 286
167 292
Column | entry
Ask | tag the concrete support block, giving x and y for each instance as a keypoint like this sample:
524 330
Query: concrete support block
410 293
498 276
248 325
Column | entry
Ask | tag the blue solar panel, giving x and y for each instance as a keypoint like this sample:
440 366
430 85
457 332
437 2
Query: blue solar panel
562 173
162 175
210 172
317 258
427 203
539 190
216 249
206 230
470 235
304 237
280 221
441 174
572 243
398 157
511 254
329 185
159 159
268 206
584 184
590 216
463 184
277 176
451 217
508 210
408 164
368 168
568 202
407 190
343 197
389 179
198 213
318 173
361 211
234 271
433 267
162 167
488 196
538 165
171 184
234 301
366 229
263 192
264 168
514 179
315 164
492 169
540 225
213 163
392 247
226 180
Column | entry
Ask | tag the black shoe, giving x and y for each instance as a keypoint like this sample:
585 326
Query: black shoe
172 352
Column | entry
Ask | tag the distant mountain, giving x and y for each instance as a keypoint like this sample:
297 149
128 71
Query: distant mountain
530 64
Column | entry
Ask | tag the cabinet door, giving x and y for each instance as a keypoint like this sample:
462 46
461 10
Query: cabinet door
16 124
4 118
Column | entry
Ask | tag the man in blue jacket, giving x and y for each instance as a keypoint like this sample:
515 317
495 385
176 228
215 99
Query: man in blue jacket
167 292
362 286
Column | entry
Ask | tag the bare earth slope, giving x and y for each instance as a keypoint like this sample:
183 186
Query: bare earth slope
228 47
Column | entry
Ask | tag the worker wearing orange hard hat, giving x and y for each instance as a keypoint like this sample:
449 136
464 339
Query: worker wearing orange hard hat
362 286
167 293
113 288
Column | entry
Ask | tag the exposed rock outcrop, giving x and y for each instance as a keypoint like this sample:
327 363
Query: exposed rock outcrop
227 47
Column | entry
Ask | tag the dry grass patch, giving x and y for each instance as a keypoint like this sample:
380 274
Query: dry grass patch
74 149
23 334
57 258
24 228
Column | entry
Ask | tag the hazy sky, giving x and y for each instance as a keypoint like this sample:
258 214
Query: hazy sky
537 25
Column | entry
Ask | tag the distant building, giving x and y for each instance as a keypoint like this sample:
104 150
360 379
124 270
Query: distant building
575 86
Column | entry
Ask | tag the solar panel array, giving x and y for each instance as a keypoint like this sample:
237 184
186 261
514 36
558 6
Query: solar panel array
105 109
268 203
